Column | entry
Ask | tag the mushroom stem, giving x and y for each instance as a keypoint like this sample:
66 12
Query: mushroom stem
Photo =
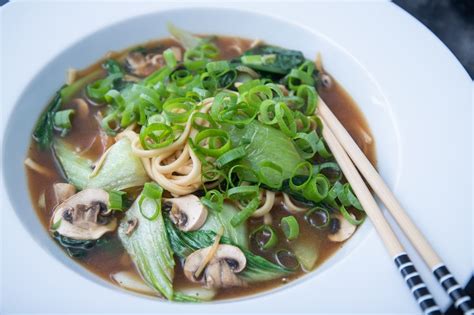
211 253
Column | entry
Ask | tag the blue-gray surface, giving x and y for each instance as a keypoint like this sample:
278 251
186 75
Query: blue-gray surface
452 21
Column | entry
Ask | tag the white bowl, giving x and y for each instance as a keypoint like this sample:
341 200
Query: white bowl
341 64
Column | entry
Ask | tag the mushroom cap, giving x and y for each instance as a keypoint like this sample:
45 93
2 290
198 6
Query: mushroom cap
221 270
84 216
191 214
346 229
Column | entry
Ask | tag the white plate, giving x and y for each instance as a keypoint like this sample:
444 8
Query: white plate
415 94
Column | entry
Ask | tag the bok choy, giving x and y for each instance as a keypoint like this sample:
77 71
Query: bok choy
120 169
146 241
237 235
257 269
265 144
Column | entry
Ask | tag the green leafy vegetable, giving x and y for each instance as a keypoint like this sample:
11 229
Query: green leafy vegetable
43 133
237 235
146 241
186 39
265 237
116 200
265 143
121 169
257 269
282 60
290 227
62 120
306 250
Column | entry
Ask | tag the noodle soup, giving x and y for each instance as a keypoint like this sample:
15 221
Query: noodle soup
193 168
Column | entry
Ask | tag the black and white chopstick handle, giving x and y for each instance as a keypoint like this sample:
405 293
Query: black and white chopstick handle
461 300
417 287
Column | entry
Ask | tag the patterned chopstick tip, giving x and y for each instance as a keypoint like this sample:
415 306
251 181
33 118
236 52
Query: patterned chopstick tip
462 301
417 287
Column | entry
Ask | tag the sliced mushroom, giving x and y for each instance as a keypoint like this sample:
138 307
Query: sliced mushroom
187 212
143 65
84 216
221 270
341 229
62 191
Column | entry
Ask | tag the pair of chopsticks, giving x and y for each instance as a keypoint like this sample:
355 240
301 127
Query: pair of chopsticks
347 153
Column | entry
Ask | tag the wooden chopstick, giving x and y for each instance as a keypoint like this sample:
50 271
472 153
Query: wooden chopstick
340 138
394 247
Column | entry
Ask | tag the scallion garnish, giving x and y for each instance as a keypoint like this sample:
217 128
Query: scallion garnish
62 120
116 200
265 237
290 227
150 201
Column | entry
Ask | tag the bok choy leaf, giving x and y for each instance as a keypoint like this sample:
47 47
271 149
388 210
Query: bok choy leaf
272 59
121 169
265 144
186 39
146 241
215 219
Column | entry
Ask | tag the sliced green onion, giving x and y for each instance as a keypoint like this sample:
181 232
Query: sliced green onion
276 89
303 168
170 58
307 143
257 94
230 156
318 217
116 200
213 200
177 110
115 97
203 117
152 193
242 172
97 90
247 86
227 78
181 76
265 237
334 175
156 135
287 259
345 195
285 119
195 59
62 120
110 123
222 102
303 123
317 189
349 218
290 227
245 213
243 192
267 112
310 96
239 115
322 151
157 77
210 134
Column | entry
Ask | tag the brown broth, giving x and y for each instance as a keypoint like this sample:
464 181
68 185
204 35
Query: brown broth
105 260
